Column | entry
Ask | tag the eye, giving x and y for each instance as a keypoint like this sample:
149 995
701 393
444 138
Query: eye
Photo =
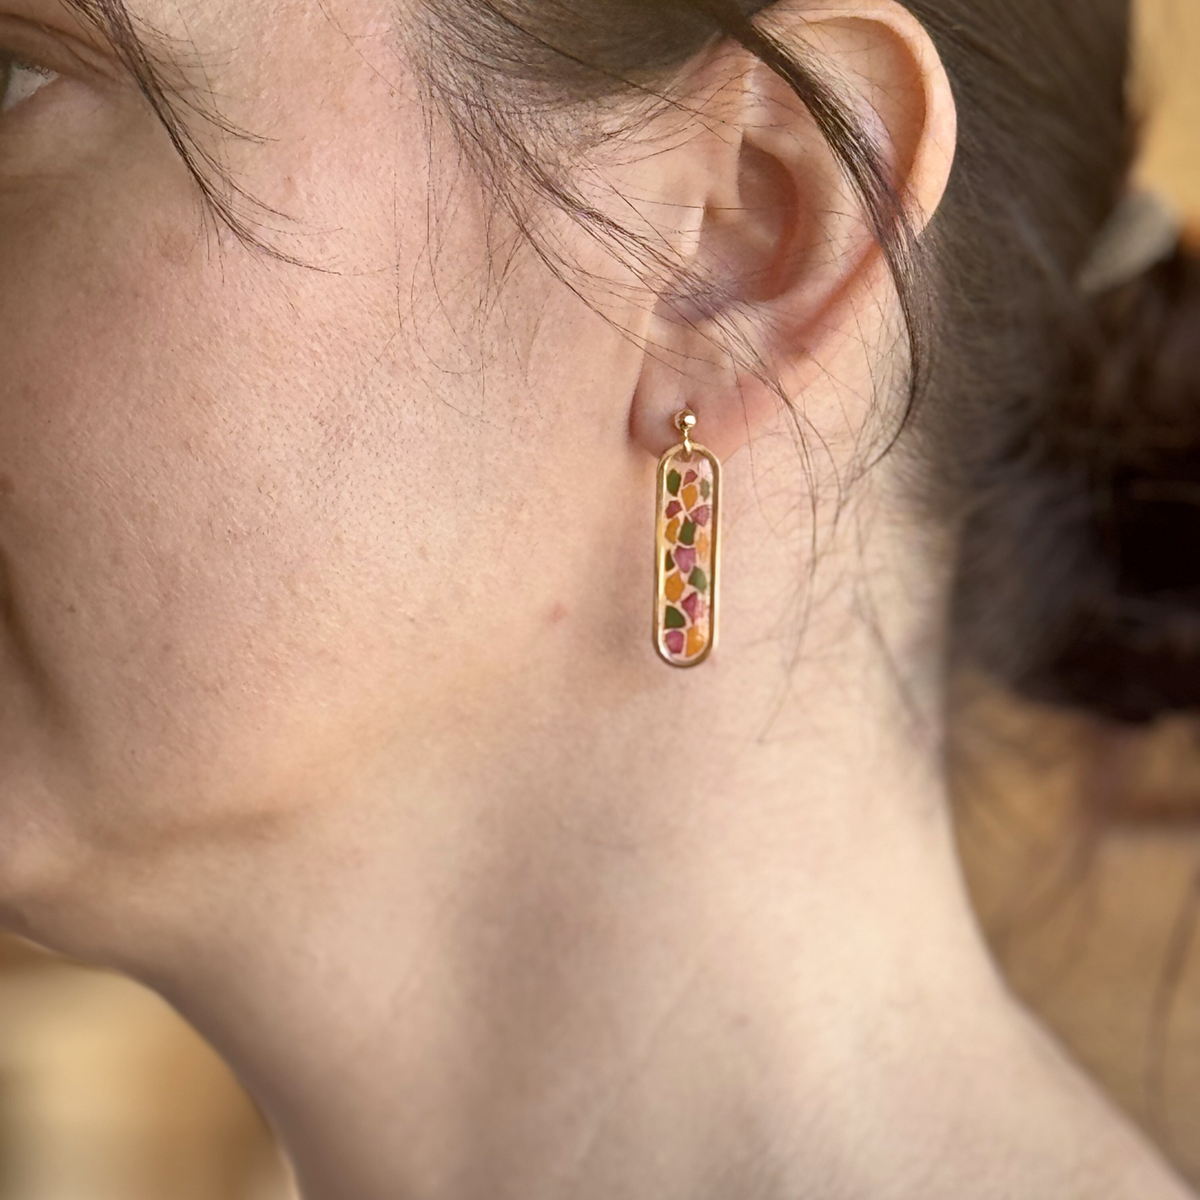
19 81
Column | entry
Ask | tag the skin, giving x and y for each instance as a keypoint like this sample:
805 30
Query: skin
328 701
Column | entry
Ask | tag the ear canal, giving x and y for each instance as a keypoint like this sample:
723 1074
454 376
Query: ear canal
770 221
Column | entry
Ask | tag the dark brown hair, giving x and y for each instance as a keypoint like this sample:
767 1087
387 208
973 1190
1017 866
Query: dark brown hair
1059 435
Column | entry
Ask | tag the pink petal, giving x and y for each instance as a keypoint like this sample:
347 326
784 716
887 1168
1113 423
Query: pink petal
690 477
693 606
702 514
674 641
685 559
674 509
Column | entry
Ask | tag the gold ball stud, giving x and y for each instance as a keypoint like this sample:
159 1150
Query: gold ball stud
686 421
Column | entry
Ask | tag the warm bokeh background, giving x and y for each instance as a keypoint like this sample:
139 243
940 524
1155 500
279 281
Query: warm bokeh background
1082 843
1170 93
1082 846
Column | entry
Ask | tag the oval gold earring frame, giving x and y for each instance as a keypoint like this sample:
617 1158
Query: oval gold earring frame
703 577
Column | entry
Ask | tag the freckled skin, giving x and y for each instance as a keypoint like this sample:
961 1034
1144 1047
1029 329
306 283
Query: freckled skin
229 457
327 705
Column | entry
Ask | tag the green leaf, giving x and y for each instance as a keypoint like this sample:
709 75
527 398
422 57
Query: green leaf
670 563
705 488
699 580
676 619
687 535
673 482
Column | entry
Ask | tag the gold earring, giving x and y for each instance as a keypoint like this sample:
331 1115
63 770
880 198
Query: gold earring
687 550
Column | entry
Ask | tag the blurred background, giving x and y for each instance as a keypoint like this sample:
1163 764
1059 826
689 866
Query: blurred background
1082 847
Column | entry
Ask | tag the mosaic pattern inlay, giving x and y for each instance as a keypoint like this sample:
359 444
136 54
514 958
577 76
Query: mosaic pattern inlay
687 547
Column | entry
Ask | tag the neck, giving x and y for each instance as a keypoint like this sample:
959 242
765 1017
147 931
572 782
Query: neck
577 950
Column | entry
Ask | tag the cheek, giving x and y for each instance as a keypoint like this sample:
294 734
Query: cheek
258 521
182 440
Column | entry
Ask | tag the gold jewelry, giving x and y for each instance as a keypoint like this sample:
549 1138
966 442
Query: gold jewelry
687 550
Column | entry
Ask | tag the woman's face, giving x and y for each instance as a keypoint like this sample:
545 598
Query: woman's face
262 524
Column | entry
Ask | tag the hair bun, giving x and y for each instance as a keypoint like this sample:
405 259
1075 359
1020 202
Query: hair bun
1080 575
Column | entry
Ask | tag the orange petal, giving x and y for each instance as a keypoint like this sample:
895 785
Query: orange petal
697 639
674 588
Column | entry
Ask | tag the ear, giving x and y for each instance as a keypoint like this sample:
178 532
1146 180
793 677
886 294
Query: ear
793 272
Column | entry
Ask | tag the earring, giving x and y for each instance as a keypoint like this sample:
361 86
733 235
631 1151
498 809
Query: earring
687 550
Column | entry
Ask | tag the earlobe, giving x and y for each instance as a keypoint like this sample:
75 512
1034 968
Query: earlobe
786 255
